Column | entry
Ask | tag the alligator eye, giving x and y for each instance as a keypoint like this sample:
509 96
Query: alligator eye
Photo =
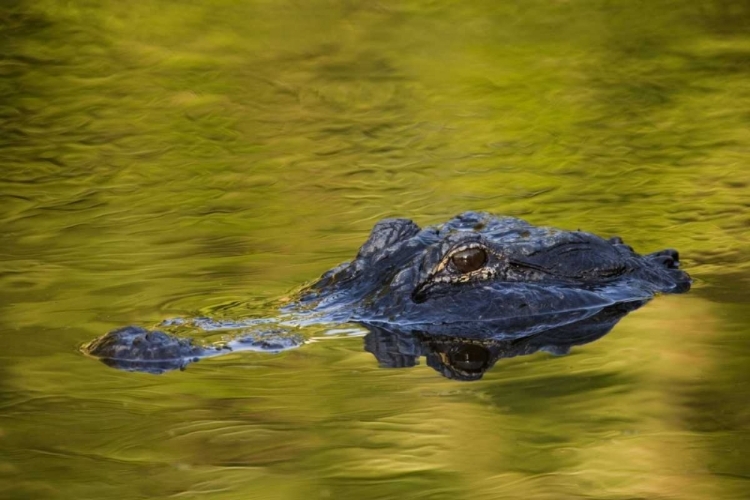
469 260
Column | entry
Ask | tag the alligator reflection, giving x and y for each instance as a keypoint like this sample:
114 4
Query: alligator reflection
471 350
459 351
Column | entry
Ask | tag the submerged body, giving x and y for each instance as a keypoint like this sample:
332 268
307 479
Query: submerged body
477 275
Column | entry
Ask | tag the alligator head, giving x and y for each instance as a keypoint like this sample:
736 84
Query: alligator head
478 267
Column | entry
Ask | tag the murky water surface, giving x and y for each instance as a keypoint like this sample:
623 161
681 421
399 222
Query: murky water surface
177 159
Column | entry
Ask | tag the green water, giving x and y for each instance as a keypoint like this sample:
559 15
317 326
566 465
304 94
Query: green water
162 159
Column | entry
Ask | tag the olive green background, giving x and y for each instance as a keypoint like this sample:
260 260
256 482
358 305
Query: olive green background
162 159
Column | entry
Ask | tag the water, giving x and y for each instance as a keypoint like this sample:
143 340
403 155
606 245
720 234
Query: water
180 159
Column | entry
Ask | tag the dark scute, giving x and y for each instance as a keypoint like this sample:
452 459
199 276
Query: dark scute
386 233
134 348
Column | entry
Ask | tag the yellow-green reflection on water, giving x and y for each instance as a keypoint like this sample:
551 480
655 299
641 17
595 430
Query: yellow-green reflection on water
165 158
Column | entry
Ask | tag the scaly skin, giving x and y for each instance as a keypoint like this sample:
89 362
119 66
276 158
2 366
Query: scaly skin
406 275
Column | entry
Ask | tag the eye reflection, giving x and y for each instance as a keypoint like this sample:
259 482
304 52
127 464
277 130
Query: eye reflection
469 260
470 358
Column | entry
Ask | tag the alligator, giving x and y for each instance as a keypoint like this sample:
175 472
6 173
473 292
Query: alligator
478 279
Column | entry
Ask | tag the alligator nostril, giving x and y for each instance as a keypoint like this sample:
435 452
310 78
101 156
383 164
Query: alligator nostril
669 258
667 261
